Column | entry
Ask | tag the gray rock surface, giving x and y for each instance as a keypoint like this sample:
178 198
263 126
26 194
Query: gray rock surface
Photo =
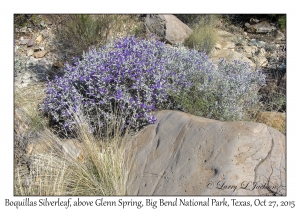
24 41
30 43
168 28
187 155
261 27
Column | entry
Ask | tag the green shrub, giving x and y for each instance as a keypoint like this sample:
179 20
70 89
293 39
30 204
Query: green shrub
280 18
195 103
79 32
203 38
282 22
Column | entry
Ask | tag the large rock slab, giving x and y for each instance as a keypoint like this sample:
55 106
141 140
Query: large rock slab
167 28
187 155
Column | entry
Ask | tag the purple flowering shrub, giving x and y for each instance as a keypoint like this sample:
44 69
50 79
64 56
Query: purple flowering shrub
131 77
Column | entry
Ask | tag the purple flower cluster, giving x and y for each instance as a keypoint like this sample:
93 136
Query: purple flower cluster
131 77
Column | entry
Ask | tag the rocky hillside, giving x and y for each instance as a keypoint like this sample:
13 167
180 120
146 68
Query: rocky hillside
39 53
180 151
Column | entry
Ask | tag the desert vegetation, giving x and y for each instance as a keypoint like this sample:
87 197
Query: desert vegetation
108 90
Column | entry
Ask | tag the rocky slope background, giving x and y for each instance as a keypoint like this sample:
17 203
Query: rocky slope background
43 45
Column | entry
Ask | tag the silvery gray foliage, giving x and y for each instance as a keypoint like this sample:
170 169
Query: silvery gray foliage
236 86
231 87
133 77
130 76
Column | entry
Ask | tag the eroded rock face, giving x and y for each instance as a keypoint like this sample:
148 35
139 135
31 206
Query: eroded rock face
187 155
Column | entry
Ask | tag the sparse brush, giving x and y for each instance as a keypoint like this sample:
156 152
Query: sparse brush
275 102
203 38
79 32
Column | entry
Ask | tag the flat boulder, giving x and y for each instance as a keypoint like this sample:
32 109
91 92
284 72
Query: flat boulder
167 28
184 154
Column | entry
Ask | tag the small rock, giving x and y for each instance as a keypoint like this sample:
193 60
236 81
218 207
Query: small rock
36 49
247 25
279 35
249 51
253 21
24 29
45 33
42 23
30 43
24 41
229 45
30 52
218 46
260 61
244 43
262 52
40 54
253 42
261 43
39 39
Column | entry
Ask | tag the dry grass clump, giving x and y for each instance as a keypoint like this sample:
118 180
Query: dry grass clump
26 101
204 35
276 120
82 166
47 164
